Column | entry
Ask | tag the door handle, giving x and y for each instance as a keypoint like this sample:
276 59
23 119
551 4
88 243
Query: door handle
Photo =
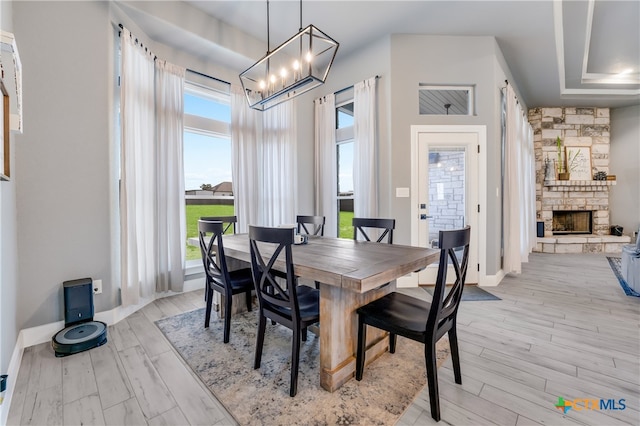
425 217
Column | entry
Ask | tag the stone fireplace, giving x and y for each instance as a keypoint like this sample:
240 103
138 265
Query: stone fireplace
567 199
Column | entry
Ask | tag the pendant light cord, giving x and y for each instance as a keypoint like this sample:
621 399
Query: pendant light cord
300 16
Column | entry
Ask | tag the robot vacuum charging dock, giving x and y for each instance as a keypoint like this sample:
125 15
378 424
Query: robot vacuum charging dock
81 332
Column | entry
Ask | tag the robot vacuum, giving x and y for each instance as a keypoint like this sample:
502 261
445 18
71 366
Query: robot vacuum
81 332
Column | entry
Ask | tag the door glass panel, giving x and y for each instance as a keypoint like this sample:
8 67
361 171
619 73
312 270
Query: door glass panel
447 187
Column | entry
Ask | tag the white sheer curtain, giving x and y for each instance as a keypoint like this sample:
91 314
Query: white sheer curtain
519 187
264 163
365 163
170 215
326 179
137 174
278 186
246 133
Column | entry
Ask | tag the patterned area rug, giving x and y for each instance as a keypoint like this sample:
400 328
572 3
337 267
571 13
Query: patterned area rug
615 262
261 397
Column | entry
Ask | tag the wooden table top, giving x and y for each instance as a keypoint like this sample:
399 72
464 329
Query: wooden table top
355 265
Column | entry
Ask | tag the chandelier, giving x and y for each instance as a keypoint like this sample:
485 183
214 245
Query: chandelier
291 69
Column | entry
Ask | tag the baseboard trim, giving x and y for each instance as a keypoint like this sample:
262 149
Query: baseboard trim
12 372
492 280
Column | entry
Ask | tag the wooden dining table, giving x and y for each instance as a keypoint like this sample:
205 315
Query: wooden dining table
351 274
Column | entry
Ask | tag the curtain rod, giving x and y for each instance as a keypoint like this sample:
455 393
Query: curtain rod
146 49
349 87
208 76
190 70
525 114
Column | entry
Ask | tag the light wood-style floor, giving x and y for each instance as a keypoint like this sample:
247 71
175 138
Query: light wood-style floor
563 328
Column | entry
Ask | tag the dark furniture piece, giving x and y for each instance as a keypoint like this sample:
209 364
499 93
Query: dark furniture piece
279 296
316 223
228 222
218 276
360 224
310 225
421 321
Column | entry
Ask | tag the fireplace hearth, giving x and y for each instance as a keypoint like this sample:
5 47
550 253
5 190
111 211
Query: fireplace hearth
572 222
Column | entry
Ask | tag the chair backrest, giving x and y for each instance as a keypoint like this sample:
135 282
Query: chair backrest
212 250
360 223
444 309
228 222
316 223
278 296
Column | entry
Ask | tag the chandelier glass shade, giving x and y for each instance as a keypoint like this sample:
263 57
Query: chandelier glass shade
295 67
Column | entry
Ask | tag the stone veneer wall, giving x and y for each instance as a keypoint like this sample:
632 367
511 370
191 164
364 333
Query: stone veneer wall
576 127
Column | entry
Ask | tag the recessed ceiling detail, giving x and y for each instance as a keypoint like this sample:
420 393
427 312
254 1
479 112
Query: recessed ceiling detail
611 24
610 54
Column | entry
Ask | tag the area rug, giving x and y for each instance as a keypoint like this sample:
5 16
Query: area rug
261 397
471 293
615 263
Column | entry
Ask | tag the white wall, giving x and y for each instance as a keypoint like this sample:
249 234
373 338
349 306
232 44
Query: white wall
8 238
346 71
624 162
63 158
446 60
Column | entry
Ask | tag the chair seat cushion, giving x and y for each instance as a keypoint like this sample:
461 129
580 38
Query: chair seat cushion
241 280
397 313
308 302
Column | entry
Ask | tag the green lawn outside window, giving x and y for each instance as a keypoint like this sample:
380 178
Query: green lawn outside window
195 212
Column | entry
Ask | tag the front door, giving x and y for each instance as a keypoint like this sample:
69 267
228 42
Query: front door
447 192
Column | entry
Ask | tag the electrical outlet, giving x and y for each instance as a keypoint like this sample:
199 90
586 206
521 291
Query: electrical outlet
97 286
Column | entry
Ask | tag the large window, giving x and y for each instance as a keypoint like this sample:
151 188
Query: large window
207 158
345 147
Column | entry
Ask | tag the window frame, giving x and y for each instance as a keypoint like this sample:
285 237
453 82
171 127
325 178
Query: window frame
344 135
469 88
209 127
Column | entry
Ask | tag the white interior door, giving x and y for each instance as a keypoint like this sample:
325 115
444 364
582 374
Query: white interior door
447 193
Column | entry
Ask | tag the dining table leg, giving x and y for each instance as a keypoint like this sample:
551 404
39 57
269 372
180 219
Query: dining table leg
339 333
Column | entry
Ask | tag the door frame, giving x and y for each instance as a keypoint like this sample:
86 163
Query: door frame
481 132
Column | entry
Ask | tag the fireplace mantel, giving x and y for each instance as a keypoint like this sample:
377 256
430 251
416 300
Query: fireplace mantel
578 185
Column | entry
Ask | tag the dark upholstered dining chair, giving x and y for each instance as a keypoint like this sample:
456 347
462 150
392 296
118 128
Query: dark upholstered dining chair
421 321
360 226
218 276
280 298
228 224
310 225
